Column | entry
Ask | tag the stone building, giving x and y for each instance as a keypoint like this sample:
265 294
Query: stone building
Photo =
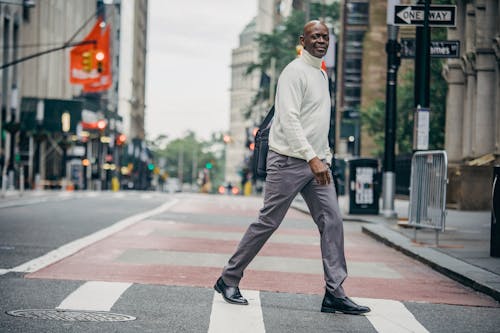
472 137
133 52
36 93
243 90
26 31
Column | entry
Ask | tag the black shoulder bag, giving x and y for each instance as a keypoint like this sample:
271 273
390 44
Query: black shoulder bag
262 146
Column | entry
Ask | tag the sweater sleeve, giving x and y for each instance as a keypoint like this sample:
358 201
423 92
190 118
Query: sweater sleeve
328 155
289 95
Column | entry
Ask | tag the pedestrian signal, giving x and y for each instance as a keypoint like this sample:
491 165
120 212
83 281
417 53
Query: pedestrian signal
99 56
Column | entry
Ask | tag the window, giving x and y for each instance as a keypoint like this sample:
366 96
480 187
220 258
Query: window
357 13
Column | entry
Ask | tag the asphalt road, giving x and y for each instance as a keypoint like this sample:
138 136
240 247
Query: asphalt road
155 256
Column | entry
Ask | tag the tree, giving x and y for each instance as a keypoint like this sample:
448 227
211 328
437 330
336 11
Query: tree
185 157
282 42
373 117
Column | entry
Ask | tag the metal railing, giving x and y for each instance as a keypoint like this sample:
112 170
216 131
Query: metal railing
428 182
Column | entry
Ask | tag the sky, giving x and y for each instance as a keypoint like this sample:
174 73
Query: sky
188 73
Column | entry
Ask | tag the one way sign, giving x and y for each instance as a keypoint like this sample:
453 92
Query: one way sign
442 16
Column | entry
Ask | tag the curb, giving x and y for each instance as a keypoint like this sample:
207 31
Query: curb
460 271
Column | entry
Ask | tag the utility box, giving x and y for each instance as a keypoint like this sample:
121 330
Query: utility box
363 184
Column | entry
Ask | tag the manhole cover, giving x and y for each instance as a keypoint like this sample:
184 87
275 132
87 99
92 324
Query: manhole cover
69 315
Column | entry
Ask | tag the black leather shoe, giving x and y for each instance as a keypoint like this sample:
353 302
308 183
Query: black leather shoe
344 304
230 294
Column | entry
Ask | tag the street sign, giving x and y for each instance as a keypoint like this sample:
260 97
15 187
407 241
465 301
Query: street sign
439 16
438 49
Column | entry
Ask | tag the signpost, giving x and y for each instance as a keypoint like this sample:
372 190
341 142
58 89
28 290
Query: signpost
438 49
439 16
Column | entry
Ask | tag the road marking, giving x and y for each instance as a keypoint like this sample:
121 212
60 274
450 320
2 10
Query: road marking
228 318
388 316
260 263
76 245
229 235
94 296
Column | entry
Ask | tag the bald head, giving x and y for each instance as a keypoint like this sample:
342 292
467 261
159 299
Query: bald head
315 38
309 25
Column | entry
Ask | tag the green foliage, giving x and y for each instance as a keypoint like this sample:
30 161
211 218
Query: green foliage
194 154
373 117
373 121
282 42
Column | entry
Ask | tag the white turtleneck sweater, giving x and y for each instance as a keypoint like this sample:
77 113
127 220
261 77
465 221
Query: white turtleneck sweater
302 111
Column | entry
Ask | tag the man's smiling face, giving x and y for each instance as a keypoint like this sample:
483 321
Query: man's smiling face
315 39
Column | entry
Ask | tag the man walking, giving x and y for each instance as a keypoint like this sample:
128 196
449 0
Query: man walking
298 162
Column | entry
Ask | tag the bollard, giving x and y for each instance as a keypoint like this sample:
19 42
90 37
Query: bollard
495 214
21 181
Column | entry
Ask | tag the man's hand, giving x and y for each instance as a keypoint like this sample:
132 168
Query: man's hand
320 171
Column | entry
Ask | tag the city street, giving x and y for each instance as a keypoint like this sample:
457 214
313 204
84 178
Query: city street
147 262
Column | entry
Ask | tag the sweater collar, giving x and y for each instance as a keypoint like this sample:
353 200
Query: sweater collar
311 60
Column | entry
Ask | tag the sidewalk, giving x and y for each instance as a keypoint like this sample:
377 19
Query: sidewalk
463 253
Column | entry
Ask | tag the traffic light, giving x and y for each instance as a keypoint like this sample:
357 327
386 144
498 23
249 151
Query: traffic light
99 57
87 61
151 166
120 140
101 124
208 165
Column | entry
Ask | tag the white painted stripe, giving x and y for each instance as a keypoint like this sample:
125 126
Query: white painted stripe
388 316
75 246
94 296
230 318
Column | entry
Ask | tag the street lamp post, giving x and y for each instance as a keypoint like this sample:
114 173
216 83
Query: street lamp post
389 175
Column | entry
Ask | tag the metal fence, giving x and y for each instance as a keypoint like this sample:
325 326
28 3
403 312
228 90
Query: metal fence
428 182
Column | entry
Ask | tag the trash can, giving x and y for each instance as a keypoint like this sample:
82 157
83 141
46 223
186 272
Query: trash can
495 214
363 184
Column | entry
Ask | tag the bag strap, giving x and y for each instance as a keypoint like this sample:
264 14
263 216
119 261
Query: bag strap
267 119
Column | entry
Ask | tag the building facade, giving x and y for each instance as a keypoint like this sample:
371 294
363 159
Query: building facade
354 25
27 31
243 90
472 138
133 54
44 115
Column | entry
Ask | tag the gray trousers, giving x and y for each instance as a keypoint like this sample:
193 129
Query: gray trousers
286 177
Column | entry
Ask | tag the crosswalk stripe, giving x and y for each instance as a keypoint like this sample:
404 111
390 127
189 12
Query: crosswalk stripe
388 316
94 296
229 318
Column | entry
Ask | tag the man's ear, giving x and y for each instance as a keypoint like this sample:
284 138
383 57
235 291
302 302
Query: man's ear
301 39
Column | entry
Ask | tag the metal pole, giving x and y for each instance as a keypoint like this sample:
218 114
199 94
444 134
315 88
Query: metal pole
495 214
389 175
31 161
332 83
422 59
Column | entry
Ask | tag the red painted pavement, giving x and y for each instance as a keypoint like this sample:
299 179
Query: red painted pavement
98 261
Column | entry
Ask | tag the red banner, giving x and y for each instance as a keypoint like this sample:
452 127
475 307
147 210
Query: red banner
83 65
103 65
